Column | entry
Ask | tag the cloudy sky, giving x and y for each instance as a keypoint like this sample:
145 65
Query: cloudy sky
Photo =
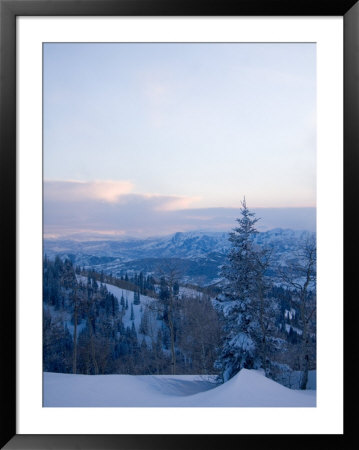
147 139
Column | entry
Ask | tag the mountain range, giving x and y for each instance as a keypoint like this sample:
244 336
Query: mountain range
197 255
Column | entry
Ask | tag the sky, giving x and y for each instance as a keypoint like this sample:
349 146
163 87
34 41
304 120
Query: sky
147 139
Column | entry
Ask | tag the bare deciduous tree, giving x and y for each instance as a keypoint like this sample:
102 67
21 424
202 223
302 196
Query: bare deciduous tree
300 278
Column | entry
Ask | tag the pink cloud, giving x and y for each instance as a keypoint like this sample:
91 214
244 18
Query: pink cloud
72 191
113 192
177 203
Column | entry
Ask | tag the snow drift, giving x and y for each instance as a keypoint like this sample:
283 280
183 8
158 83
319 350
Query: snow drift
249 388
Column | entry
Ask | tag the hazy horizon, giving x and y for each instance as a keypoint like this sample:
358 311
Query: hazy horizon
205 220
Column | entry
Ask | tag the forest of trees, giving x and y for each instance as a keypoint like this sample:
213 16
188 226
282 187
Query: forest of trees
256 321
83 329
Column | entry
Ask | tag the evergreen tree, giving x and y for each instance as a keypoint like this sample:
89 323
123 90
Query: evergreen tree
144 322
171 310
114 305
57 345
164 291
245 307
136 297
133 331
132 313
141 282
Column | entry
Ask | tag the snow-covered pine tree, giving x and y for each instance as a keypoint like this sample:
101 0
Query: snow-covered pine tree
245 308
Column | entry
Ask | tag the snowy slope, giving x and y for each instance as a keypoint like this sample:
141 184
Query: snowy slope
138 310
248 388
145 301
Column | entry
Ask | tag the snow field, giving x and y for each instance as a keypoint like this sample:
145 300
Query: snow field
249 388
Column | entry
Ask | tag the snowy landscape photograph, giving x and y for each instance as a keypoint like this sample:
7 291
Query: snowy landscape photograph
179 225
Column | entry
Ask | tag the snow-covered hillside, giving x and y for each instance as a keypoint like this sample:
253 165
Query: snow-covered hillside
146 303
248 388
138 310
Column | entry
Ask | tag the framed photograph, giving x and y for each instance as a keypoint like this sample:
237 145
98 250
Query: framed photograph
173 187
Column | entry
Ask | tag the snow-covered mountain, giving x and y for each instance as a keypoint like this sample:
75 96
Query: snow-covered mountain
194 244
198 255
187 245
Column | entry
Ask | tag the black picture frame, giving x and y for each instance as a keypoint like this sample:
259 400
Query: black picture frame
9 10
